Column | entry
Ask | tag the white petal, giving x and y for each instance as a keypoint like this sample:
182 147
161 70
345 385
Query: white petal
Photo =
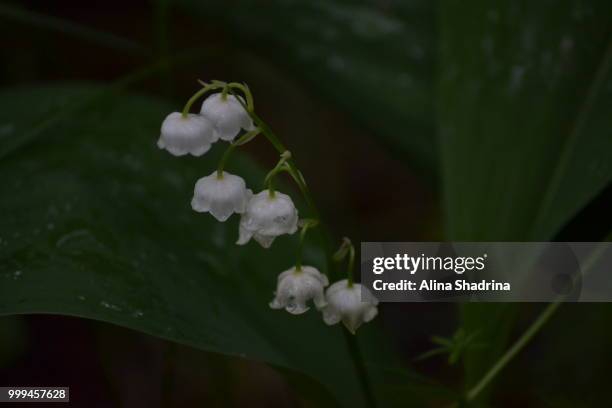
314 272
351 323
331 316
264 240
320 302
199 205
227 115
221 195
370 313
275 304
227 130
297 308
346 303
244 235
221 211
199 151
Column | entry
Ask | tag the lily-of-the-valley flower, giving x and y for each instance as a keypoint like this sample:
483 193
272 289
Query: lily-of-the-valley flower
227 114
298 285
345 303
190 134
221 195
267 216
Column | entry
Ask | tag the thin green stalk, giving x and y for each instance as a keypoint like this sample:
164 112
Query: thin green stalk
362 371
531 331
229 87
351 265
351 342
196 96
298 261
247 93
278 145
224 159
280 166
513 351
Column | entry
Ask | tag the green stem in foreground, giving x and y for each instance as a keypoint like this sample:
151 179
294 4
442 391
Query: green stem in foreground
530 332
513 351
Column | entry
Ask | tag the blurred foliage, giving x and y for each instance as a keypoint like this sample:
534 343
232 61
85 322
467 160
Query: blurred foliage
524 92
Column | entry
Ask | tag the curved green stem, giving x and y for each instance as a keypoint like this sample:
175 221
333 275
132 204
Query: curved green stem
247 93
228 87
278 145
280 166
196 96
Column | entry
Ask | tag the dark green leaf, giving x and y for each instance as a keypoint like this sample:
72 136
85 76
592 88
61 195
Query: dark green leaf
95 222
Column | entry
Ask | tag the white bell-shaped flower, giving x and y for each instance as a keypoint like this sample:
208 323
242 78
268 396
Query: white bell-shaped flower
266 217
297 286
192 134
345 303
227 115
221 195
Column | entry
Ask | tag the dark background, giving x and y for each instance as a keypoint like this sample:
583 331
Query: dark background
365 189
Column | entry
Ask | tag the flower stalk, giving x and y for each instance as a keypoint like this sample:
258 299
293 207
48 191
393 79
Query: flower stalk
306 224
267 214
206 88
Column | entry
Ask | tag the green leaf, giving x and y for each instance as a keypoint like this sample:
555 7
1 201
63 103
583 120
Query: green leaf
375 61
525 127
95 222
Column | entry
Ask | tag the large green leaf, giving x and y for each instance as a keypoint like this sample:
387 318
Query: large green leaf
374 60
525 126
95 222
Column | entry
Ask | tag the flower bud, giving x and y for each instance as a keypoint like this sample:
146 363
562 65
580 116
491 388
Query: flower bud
192 134
221 195
227 115
345 303
266 217
297 286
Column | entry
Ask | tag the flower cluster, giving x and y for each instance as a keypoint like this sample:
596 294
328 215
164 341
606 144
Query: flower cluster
268 214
